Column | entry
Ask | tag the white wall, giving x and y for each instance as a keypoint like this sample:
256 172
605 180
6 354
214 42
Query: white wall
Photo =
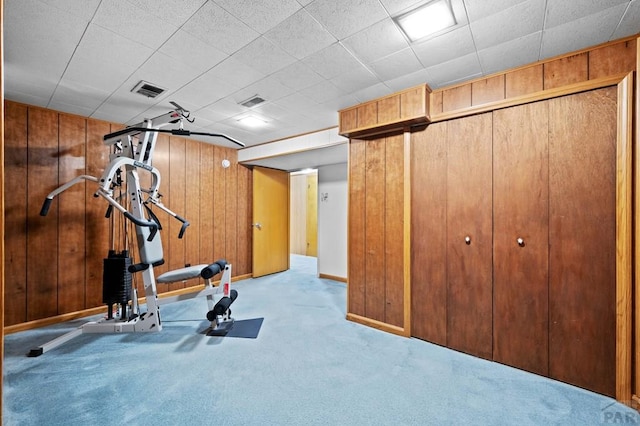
332 220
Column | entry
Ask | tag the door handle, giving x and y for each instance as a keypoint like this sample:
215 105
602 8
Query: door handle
257 225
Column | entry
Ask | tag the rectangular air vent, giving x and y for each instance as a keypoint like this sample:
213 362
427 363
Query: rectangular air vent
147 89
252 101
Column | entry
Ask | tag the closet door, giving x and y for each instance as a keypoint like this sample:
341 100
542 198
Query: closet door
582 293
469 235
428 234
521 244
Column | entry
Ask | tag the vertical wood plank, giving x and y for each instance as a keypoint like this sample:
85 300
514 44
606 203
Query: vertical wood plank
521 271
488 90
612 59
456 98
428 234
356 234
565 71
206 204
348 120
524 81
435 102
219 200
71 225
161 161
231 206
469 215
176 202
582 292
96 226
389 109
15 202
367 114
413 102
375 260
394 230
42 236
192 204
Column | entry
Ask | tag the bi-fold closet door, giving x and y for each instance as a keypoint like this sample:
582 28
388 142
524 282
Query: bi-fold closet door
514 237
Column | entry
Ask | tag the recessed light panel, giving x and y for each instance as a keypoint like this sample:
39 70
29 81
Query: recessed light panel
427 19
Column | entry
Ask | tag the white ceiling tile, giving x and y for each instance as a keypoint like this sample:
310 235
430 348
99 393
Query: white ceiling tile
561 11
171 11
78 96
269 89
161 70
459 69
84 9
203 91
322 92
217 27
342 102
630 23
478 9
398 7
446 47
587 31
372 92
271 109
297 76
184 48
264 56
300 35
331 61
227 107
27 86
409 80
124 18
517 21
396 65
511 54
260 15
235 72
50 38
343 18
94 66
355 79
377 41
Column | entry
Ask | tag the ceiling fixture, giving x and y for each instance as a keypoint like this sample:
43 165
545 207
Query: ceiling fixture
147 89
252 101
252 121
427 19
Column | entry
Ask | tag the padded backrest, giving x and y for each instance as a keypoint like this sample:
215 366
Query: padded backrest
150 251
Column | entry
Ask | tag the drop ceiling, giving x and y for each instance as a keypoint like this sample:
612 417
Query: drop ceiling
307 58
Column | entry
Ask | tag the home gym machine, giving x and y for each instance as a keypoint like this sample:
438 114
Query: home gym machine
132 150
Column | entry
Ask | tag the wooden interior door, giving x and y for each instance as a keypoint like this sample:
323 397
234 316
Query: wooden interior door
521 243
469 235
429 234
582 293
270 221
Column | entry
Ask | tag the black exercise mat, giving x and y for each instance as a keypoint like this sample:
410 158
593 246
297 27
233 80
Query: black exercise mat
247 329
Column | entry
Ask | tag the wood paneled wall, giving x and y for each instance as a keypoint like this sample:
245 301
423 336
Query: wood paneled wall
53 264
376 230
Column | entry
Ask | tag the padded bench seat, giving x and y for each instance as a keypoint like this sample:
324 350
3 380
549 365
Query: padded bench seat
204 271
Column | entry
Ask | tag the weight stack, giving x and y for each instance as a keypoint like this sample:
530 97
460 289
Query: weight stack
116 279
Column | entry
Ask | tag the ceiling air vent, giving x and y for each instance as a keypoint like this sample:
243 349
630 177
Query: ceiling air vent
147 89
252 101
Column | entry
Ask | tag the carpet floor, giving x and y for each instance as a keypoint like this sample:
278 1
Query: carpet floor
307 365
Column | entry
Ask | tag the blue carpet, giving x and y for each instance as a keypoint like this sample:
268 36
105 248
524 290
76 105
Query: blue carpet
307 366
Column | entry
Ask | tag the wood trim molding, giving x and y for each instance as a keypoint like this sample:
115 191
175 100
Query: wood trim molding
407 233
624 239
636 225
383 326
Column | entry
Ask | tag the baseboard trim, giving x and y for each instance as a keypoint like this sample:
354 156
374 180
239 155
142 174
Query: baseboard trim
389 328
333 277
